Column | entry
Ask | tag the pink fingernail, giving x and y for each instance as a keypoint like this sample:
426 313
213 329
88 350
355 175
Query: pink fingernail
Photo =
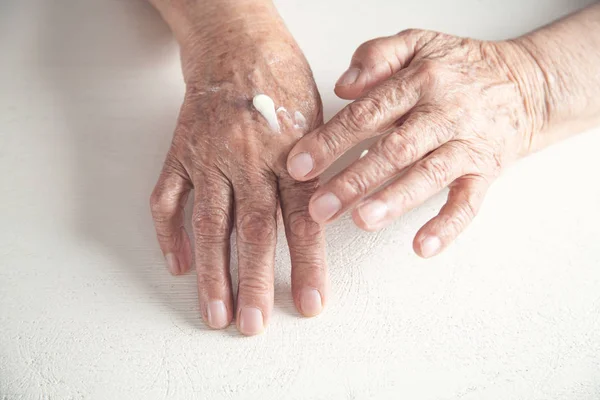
251 321
349 77
172 264
325 207
301 165
373 212
310 302
430 246
217 314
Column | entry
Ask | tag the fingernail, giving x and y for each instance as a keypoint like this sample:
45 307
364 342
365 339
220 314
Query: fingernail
325 207
310 302
348 77
251 321
300 165
217 314
172 263
430 246
373 212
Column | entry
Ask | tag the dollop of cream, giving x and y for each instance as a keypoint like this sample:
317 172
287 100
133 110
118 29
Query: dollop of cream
300 120
266 107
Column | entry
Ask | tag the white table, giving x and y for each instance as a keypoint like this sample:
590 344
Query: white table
89 93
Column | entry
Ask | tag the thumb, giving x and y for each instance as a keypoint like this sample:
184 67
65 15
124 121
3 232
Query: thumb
378 59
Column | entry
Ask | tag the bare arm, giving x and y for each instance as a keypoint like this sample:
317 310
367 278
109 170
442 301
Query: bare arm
567 56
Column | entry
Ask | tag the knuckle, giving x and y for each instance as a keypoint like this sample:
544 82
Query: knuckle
331 138
435 170
256 227
369 50
211 224
354 184
256 284
410 32
303 227
208 277
398 150
364 113
409 151
309 268
162 206
429 72
466 210
407 196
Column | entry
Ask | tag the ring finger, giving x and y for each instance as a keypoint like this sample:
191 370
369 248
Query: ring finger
424 179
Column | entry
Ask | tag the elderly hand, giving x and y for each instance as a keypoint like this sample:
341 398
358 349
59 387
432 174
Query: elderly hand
452 111
224 149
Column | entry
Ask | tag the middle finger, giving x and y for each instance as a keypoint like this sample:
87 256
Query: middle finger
256 227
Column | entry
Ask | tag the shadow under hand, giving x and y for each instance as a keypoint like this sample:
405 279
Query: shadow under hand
100 59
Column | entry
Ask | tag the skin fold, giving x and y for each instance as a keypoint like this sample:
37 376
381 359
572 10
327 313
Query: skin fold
448 111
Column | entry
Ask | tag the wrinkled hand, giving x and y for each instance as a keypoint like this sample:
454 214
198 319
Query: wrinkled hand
452 112
224 149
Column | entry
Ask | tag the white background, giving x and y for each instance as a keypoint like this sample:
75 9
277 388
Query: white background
89 93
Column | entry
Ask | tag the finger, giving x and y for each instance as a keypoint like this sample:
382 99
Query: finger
167 204
401 147
376 60
366 117
464 201
212 222
306 241
256 227
424 179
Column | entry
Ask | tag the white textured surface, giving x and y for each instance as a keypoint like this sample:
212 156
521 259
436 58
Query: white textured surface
89 95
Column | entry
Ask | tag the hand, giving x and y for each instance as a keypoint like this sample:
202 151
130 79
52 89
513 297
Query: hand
453 112
224 149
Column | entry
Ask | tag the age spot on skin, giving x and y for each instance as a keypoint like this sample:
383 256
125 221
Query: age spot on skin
266 107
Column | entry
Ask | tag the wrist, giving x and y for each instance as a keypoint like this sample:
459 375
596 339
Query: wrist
530 75
195 22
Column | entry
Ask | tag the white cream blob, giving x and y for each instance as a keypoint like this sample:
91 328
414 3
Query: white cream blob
300 120
265 105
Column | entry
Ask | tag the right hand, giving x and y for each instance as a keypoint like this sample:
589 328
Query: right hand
225 150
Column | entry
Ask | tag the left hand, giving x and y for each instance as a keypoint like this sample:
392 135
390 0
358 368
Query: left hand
452 111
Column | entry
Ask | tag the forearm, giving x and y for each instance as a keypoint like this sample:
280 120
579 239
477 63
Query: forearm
203 19
567 59
207 30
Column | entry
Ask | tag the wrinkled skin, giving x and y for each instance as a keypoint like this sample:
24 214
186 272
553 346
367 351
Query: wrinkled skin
224 149
451 111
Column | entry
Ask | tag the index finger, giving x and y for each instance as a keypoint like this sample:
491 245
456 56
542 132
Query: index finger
366 117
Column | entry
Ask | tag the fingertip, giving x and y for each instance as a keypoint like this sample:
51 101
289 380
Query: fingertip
217 314
347 92
172 263
251 321
351 84
427 245
362 224
324 207
309 302
300 165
